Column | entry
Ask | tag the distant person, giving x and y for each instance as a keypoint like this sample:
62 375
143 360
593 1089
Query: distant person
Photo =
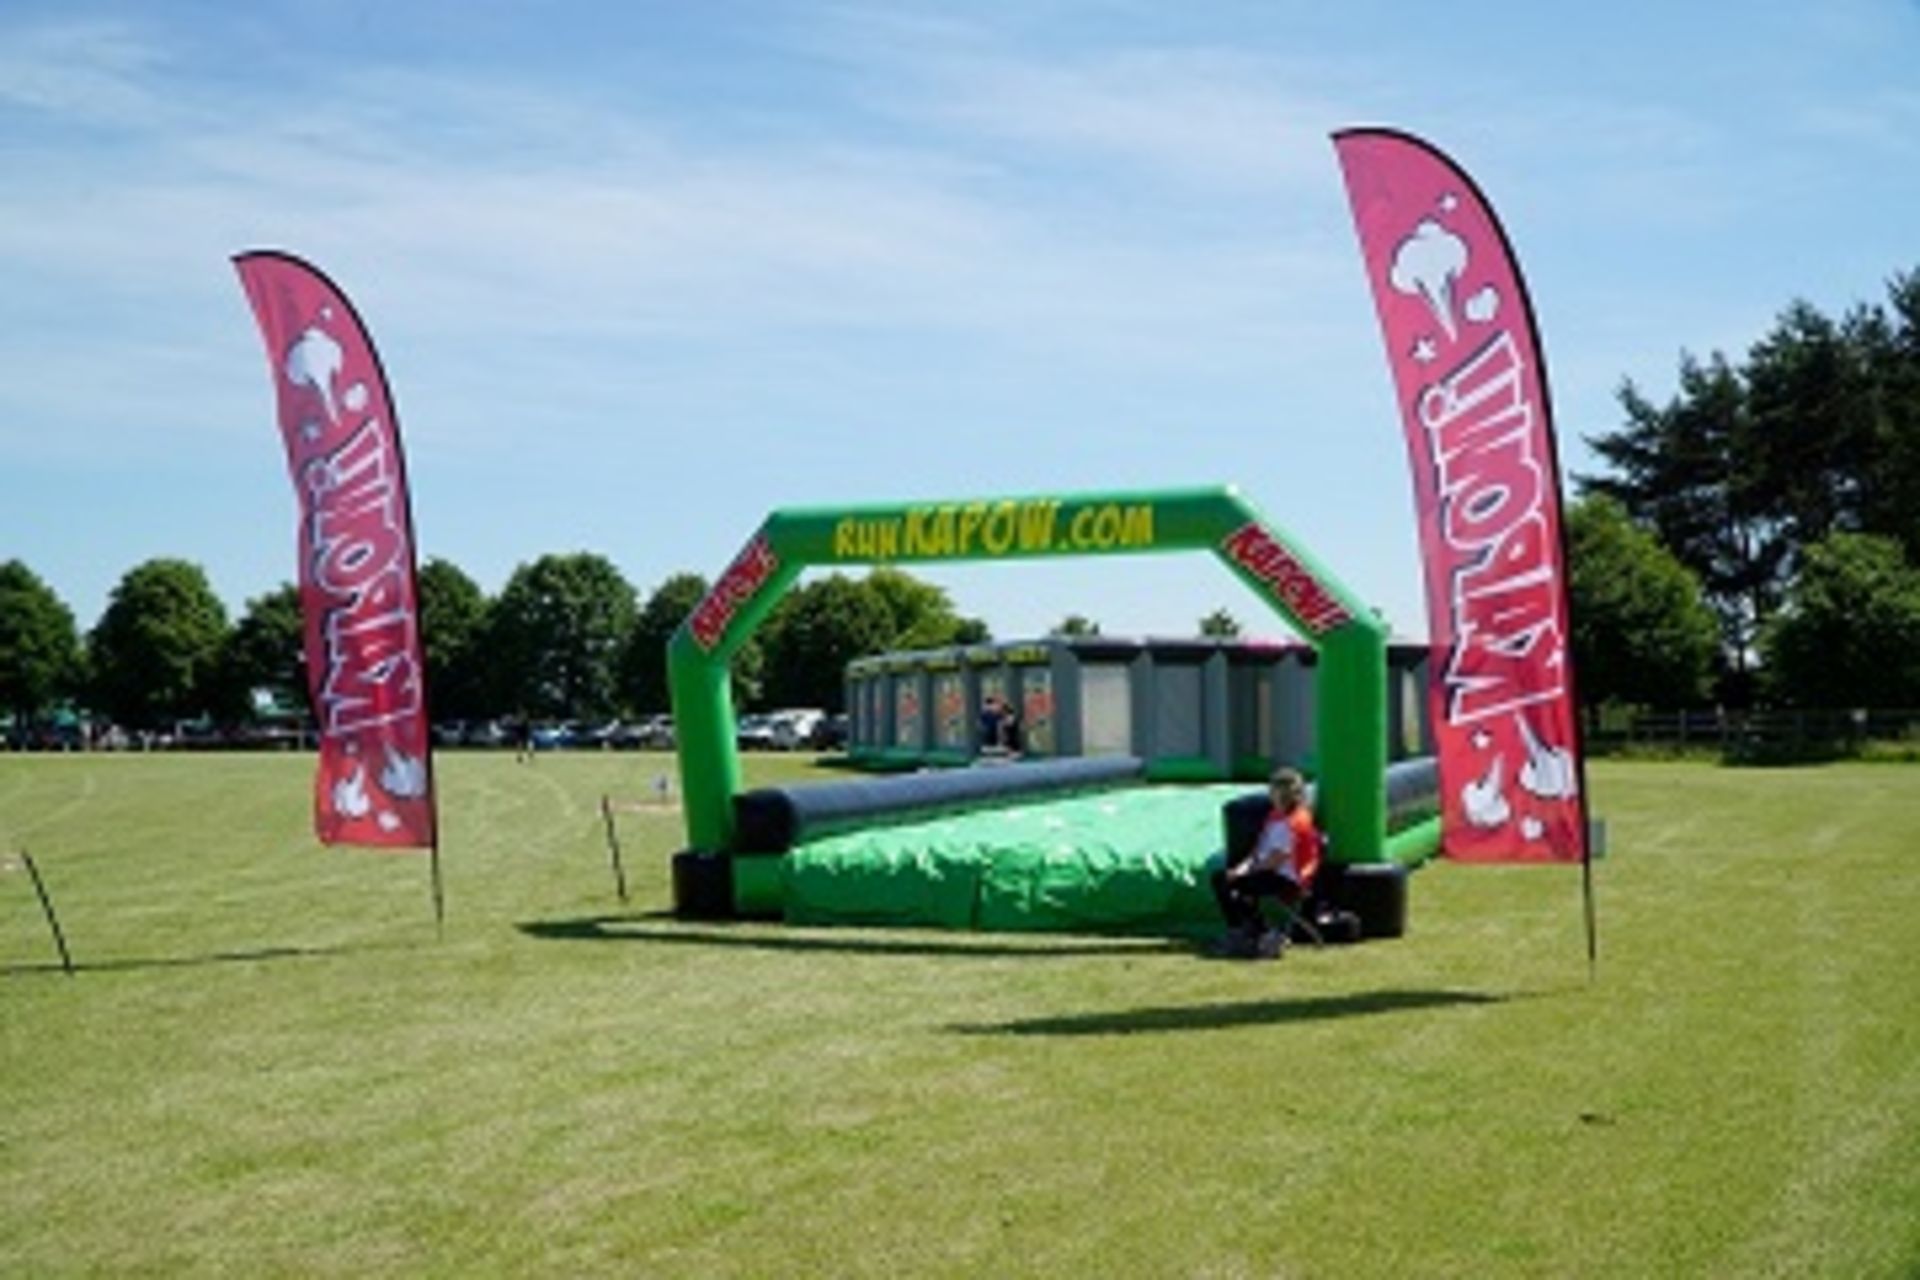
523 740
1284 859
993 723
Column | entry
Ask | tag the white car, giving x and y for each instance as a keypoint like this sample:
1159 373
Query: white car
793 729
754 733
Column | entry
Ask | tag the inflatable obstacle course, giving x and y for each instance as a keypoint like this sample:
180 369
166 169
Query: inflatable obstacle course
719 875
1078 849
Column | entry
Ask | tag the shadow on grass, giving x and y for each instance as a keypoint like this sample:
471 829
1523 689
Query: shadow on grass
848 941
1214 1017
135 964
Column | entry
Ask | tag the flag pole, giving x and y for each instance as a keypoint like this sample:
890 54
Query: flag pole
1586 890
46 905
613 846
433 794
439 893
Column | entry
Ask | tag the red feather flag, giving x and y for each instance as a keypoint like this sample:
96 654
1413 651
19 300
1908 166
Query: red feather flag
1472 392
366 673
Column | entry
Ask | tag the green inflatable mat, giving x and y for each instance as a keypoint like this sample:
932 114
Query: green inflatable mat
1130 861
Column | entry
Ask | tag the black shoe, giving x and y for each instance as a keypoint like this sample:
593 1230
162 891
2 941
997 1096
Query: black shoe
1236 945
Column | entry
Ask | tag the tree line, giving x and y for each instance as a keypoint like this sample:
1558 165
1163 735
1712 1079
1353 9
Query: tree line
1755 540
568 637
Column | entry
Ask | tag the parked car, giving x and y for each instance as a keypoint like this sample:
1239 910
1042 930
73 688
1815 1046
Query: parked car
449 733
596 736
830 733
487 733
268 737
754 733
653 733
198 735
793 728
547 737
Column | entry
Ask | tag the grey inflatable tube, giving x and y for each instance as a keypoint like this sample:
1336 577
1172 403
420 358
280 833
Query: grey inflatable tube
774 819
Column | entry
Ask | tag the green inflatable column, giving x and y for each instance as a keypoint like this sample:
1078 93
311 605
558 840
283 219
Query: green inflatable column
704 736
700 681
1350 735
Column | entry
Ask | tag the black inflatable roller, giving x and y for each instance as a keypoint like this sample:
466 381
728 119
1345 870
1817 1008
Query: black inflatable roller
774 819
1413 791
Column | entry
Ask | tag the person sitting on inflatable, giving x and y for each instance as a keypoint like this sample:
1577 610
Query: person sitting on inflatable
1282 865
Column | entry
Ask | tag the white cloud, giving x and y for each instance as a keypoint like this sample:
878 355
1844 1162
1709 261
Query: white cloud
1203 115
1211 115
80 72
1887 120
627 234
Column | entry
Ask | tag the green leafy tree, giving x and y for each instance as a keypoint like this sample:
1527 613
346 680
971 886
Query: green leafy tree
972 631
558 631
155 653
1689 471
748 674
807 668
1816 432
40 658
266 650
1888 345
1836 411
1810 409
644 661
1642 633
461 683
922 613
1076 625
813 633
1849 633
1221 624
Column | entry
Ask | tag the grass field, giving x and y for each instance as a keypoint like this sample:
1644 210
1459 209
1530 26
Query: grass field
270 1066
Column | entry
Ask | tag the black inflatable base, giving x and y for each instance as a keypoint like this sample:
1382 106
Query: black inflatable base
702 885
1336 928
1375 892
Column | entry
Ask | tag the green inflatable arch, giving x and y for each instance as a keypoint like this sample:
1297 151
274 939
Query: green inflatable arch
1350 674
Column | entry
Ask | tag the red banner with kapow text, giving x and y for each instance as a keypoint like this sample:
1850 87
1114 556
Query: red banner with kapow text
365 670
1472 393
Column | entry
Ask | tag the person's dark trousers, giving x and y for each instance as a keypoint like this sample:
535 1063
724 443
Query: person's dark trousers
1239 898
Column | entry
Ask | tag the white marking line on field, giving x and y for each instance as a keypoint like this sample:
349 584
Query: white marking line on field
568 805
645 807
89 786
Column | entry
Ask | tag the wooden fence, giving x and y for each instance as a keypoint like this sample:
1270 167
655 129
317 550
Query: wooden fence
1762 733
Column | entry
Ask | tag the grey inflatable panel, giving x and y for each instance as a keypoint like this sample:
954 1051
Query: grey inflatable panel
1413 791
774 819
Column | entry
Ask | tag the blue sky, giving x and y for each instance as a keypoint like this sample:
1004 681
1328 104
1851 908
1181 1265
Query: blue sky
642 272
